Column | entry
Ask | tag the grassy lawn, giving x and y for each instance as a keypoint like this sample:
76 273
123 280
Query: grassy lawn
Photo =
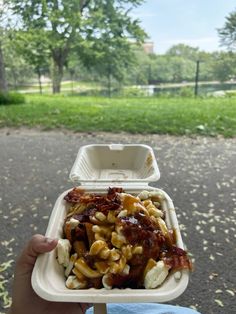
176 116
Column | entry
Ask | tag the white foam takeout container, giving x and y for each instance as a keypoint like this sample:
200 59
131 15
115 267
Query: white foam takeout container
98 167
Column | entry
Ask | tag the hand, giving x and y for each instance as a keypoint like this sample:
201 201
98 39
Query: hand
24 299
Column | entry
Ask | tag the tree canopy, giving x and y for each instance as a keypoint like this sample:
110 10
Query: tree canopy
228 32
3 82
97 40
82 26
185 51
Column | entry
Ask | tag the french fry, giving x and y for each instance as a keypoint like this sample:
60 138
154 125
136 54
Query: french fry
79 247
89 232
88 272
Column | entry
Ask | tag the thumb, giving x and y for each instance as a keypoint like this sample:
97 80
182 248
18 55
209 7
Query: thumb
37 245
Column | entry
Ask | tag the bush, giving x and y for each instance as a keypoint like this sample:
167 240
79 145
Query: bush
186 92
231 93
133 92
11 99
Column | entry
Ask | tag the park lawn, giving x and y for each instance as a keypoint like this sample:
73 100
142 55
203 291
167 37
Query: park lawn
175 116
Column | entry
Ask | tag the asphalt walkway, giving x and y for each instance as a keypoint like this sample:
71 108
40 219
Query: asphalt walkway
198 173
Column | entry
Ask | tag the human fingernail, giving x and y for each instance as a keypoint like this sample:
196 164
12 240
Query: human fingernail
49 240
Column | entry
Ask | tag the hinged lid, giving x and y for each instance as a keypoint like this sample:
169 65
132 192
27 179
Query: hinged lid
120 164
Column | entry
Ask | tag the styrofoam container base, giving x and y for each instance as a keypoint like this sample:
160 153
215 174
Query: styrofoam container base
48 279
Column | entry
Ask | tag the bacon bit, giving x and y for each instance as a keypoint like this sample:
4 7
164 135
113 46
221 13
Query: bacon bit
112 191
177 259
103 203
74 195
84 216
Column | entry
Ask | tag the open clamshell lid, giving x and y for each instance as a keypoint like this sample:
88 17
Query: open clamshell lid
115 163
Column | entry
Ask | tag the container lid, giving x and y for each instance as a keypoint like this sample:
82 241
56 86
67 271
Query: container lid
115 163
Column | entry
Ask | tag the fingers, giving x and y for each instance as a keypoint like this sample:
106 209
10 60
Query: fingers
40 244
85 306
37 245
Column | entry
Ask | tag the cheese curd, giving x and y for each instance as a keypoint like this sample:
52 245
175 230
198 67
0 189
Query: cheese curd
156 275
63 252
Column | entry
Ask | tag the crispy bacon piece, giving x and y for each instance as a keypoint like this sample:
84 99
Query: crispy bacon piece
132 280
177 259
74 195
84 216
112 191
94 202
77 195
140 230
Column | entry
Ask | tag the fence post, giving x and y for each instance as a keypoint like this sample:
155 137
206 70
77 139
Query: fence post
196 78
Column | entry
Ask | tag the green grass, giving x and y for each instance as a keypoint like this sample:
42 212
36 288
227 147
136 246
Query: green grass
176 116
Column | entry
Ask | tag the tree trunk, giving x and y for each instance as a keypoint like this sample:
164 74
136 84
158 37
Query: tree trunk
72 80
39 79
57 73
109 85
109 80
15 78
3 83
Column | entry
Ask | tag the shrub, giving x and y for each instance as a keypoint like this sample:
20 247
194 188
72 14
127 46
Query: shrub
3 98
186 92
231 93
11 99
133 92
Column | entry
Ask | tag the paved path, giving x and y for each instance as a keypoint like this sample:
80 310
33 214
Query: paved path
199 174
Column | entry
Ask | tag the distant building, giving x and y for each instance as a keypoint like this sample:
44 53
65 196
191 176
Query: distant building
148 47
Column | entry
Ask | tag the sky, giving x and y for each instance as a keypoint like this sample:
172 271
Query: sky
192 22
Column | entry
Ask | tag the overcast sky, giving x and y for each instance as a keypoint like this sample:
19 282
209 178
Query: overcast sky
193 22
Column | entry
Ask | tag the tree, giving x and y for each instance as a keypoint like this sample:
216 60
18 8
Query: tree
70 25
223 65
112 59
183 61
228 32
35 50
3 82
185 51
17 69
162 69
140 72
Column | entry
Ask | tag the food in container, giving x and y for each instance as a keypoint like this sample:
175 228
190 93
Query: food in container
129 167
118 240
